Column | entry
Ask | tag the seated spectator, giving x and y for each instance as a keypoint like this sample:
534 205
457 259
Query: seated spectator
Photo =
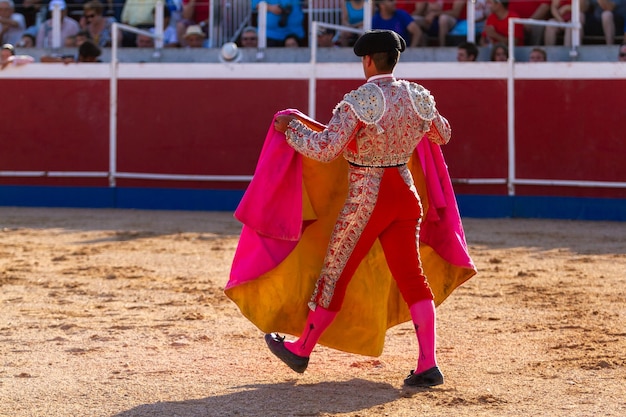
249 37
480 16
538 55
12 25
388 17
194 37
604 16
497 25
170 37
27 41
437 19
69 26
292 41
283 18
352 16
30 9
77 40
99 26
144 41
499 53
562 12
326 37
88 51
467 52
8 57
194 13
531 9
621 56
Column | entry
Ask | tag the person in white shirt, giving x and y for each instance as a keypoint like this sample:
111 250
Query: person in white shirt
12 25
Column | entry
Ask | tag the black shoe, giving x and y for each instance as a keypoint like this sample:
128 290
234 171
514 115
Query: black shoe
428 378
276 343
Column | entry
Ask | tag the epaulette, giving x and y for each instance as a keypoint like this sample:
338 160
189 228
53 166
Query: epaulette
421 99
367 102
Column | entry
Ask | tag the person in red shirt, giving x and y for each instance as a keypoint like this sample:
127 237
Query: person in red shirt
532 9
497 25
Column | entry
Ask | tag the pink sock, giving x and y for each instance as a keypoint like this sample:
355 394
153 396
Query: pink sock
317 322
423 316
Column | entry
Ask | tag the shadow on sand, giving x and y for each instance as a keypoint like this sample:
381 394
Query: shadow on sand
281 399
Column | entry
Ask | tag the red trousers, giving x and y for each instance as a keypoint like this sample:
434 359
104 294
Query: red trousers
395 221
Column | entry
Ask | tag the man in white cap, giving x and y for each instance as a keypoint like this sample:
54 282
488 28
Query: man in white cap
194 37
375 128
69 26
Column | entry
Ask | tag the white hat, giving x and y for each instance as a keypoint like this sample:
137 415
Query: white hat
230 53
193 30
53 3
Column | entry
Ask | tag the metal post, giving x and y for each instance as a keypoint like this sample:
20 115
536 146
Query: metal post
313 73
56 26
262 22
471 21
576 29
510 96
158 25
113 106
367 15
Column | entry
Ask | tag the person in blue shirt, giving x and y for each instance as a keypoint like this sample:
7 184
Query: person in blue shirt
389 18
284 17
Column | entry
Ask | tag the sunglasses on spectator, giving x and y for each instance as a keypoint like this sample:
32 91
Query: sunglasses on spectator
249 38
89 16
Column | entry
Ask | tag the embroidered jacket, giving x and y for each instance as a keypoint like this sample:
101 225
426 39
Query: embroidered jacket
377 125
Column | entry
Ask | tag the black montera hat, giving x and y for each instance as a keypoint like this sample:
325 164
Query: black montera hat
379 40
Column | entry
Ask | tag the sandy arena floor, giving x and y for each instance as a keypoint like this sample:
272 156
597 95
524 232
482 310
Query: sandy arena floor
122 313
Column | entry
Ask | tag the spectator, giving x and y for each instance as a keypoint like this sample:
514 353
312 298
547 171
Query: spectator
538 55
292 41
249 37
99 27
69 26
497 24
352 16
8 57
499 53
621 56
480 16
144 41
603 16
12 25
194 37
195 13
437 19
467 52
77 40
170 37
88 51
30 9
531 9
390 18
284 17
326 37
27 41
562 12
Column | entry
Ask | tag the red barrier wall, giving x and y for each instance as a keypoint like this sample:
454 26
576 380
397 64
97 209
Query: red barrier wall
565 129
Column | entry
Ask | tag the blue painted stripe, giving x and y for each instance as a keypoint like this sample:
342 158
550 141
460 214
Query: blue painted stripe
478 206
